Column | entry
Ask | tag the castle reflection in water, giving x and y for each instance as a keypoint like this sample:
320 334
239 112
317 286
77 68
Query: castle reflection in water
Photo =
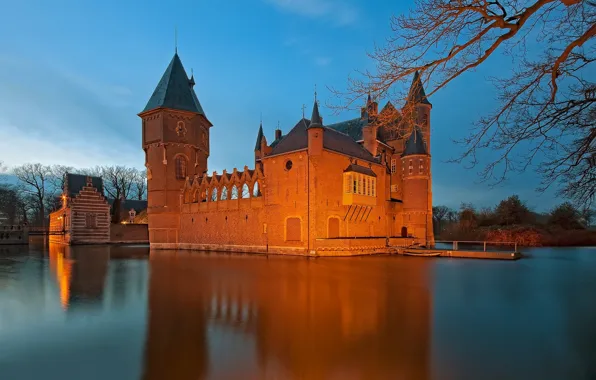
222 316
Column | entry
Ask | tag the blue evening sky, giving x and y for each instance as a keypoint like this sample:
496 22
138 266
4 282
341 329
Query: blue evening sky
75 73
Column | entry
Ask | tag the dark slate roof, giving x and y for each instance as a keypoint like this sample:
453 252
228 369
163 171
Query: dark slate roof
276 141
360 169
259 137
175 90
415 144
352 128
135 204
417 94
333 140
75 182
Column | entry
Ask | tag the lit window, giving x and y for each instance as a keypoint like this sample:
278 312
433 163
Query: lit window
180 167
421 167
374 187
360 185
411 167
393 166
355 182
348 183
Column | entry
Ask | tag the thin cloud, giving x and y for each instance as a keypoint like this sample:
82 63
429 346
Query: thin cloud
338 12
322 61
50 116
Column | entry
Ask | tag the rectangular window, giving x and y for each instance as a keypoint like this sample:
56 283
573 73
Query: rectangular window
421 167
355 181
374 187
348 184
411 167
393 166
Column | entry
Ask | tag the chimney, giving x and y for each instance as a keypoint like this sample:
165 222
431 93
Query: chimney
278 134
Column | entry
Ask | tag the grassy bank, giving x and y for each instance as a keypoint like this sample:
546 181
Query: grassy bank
528 236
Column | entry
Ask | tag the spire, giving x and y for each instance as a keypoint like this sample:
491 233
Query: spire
315 119
175 90
415 144
369 100
260 136
417 94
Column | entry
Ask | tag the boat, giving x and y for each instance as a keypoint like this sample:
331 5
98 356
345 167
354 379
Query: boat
423 254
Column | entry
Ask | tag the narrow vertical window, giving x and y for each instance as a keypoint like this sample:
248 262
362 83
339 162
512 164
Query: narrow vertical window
180 167
374 187
411 167
421 167
393 166
348 181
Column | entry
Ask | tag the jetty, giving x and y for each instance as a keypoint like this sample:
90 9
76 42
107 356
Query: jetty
500 250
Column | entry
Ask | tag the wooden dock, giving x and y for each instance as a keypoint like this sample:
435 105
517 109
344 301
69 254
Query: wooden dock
455 252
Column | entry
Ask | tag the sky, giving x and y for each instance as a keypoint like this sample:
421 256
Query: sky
74 74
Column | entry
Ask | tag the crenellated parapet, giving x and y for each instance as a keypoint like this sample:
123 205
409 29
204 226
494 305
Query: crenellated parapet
247 183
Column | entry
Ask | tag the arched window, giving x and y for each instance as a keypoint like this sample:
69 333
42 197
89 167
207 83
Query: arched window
180 167
213 195
245 191
224 194
234 192
256 192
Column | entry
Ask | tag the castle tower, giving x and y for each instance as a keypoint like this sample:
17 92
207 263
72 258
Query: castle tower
417 193
176 145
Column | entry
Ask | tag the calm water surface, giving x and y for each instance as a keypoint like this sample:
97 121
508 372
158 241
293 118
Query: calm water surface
102 312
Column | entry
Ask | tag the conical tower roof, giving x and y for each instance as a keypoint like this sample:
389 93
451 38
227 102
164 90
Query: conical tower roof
260 136
415 144
175 90
417 94
315 120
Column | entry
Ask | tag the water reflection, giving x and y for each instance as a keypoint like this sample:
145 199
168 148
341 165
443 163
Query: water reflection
80 274
314 319
93 312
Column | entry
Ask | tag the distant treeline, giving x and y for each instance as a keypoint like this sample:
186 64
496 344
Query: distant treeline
38 189
511 220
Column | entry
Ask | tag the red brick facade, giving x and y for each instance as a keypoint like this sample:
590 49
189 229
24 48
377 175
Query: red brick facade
323 190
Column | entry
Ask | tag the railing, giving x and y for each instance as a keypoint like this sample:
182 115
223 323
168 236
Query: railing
455 243
44 230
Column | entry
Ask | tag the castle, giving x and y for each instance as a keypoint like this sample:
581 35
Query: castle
347 188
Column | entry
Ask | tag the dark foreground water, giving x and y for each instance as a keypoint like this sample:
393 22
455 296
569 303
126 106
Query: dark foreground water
114 313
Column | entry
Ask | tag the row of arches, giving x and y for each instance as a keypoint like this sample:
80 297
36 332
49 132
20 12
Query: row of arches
236 185
223 193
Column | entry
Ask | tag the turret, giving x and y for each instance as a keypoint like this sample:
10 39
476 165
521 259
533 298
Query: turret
369 135
416 194
315 132
175 133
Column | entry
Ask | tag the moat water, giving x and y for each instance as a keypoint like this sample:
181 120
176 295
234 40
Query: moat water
106 312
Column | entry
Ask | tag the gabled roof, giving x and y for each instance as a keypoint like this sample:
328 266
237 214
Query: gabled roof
259 137
75 182
415 144
175 90
417 94
333 140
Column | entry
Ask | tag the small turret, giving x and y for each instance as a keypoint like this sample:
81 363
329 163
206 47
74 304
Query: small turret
315 131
